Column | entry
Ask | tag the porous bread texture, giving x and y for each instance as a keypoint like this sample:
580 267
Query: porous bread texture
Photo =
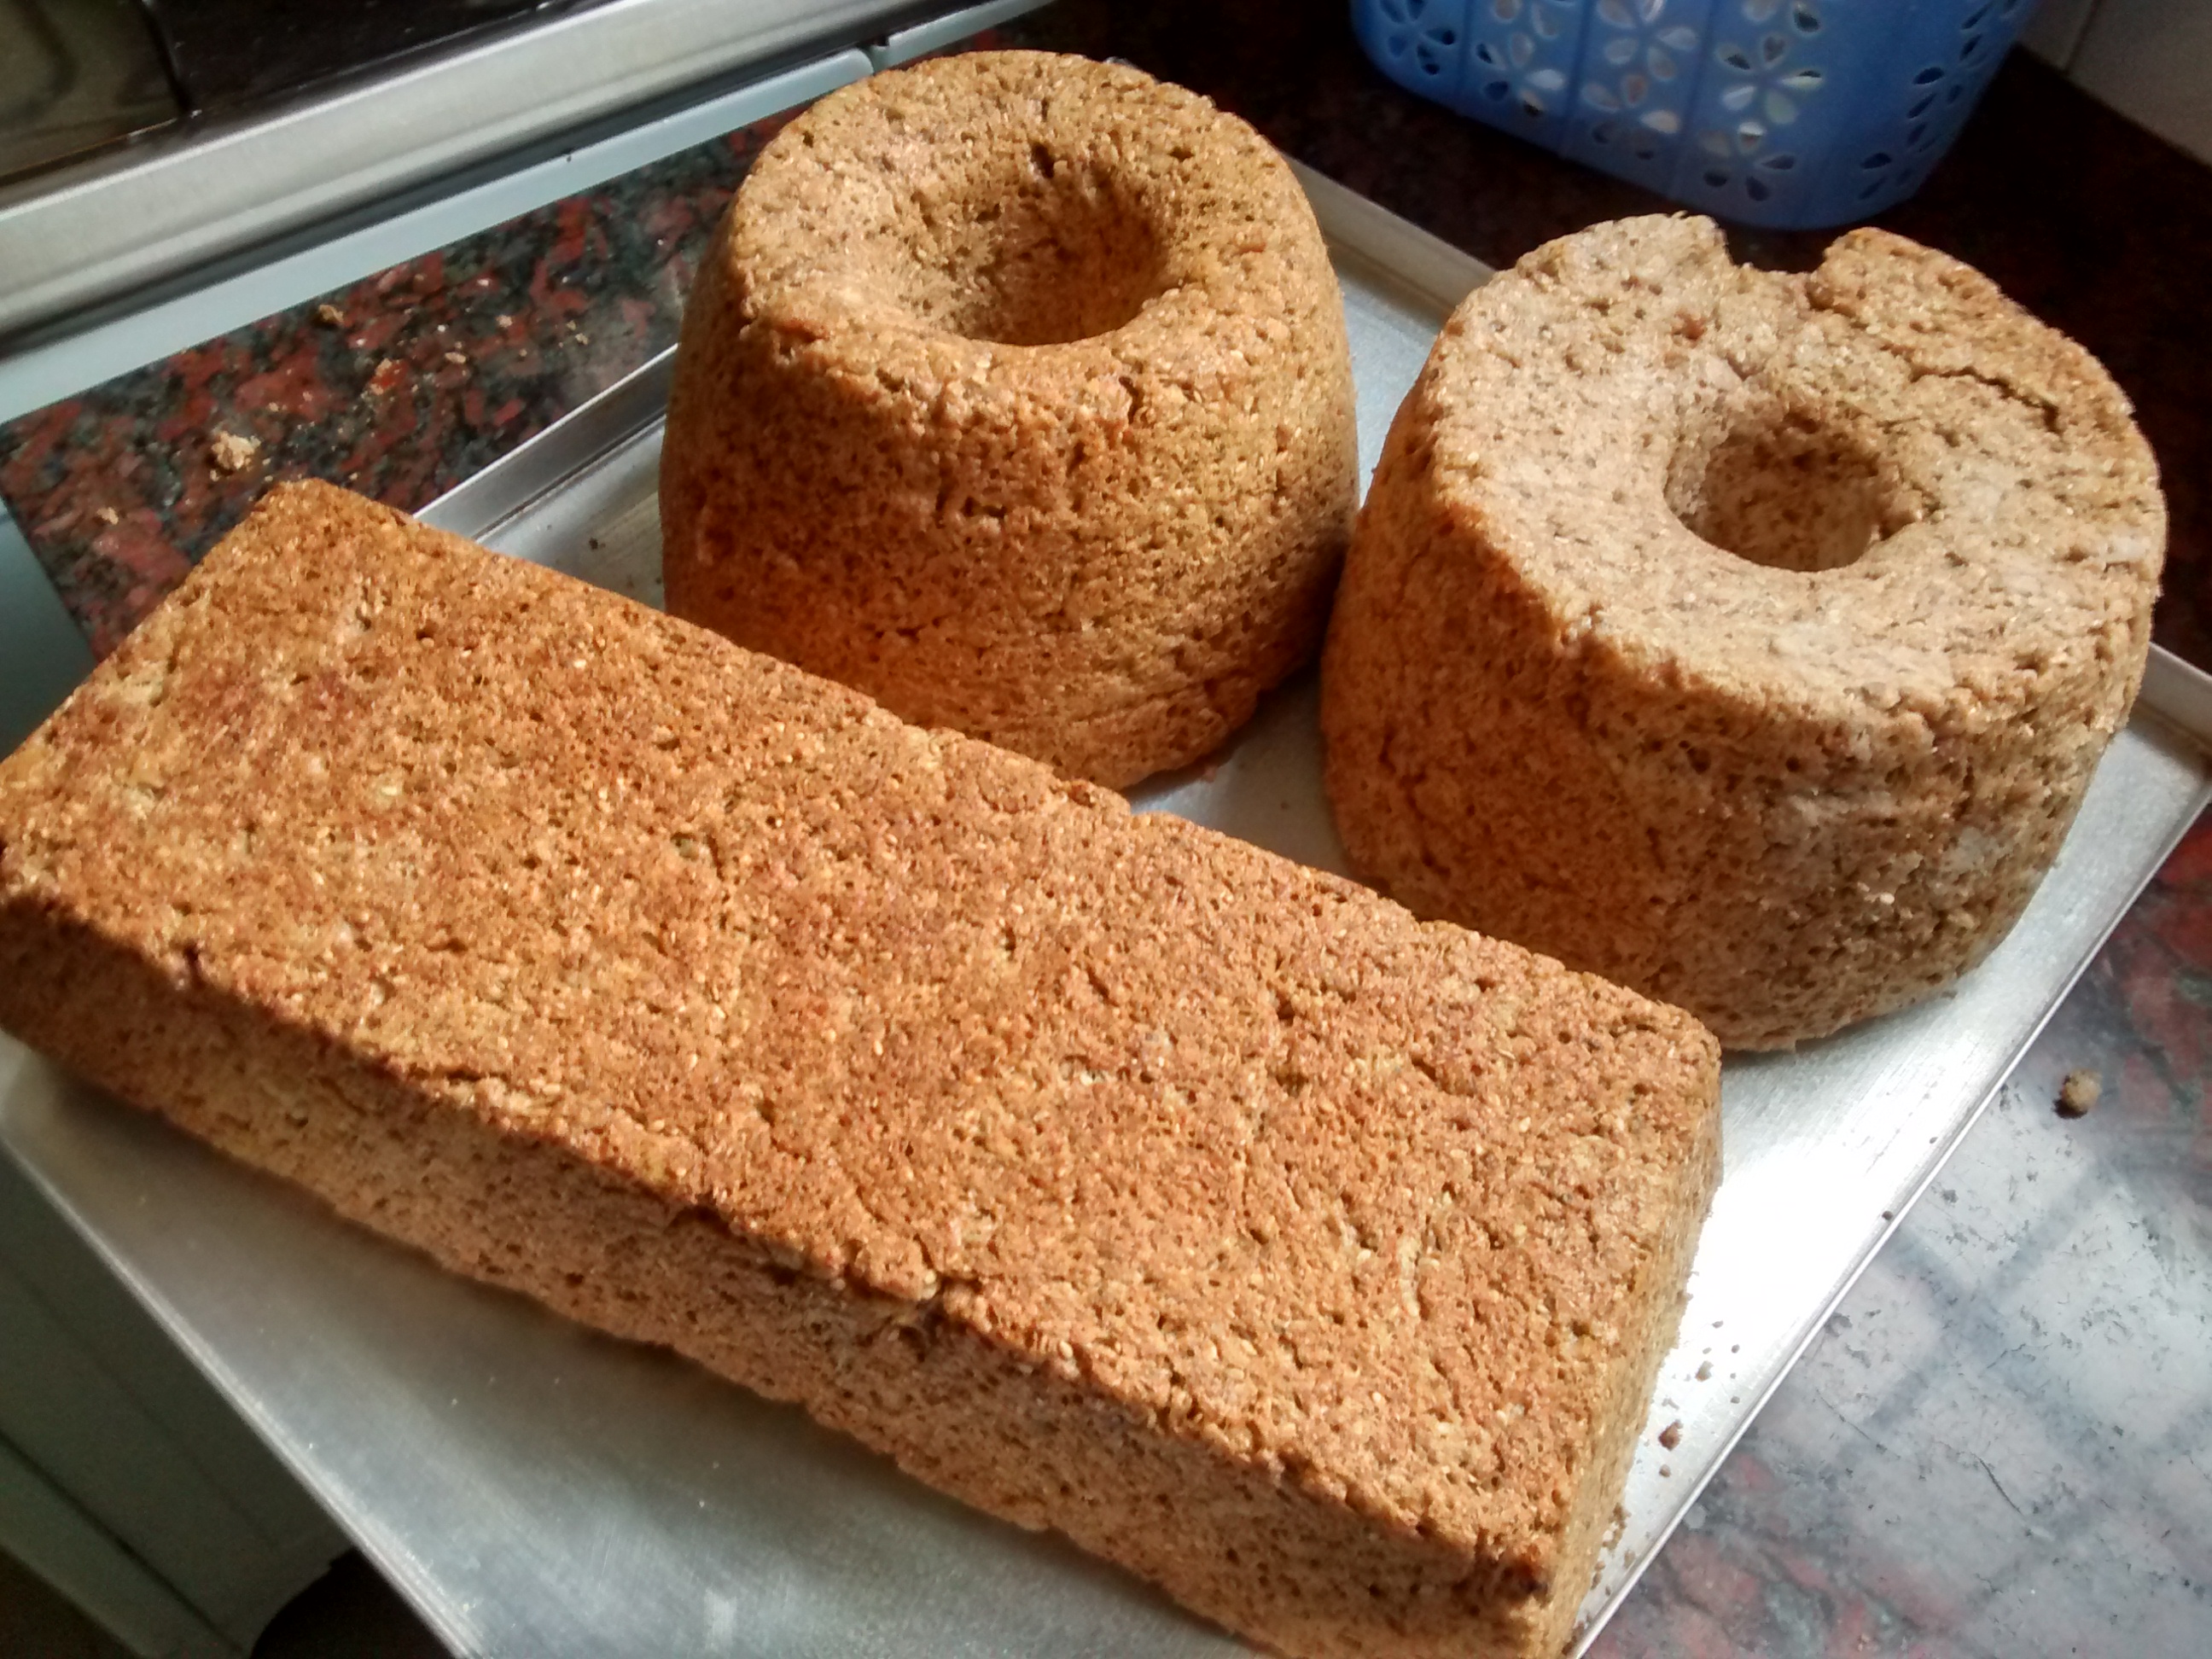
1109 1173
1015 391
1787 785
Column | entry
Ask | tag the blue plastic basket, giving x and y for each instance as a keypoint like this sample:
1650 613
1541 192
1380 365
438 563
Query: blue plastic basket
1791 114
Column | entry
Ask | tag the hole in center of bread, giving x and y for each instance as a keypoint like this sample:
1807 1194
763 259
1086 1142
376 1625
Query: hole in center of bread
1788 490
1041 249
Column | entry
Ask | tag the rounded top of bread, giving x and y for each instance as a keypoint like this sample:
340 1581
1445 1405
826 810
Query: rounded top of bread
1027 219
1880 486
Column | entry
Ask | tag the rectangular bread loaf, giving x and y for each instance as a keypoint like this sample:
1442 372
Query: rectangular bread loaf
1112 1174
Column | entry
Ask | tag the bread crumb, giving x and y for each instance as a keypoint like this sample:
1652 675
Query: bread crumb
329 315
503 321
2080 1090
1671 1436
1666 1471
230 451
107 515
1705 1371
459 359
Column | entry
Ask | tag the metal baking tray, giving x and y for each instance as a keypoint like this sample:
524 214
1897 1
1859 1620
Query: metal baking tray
535 1488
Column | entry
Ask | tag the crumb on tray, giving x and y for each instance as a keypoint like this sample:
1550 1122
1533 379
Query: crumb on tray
2079 1093
230 451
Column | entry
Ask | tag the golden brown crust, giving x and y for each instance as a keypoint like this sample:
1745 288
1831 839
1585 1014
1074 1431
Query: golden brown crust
1016 393
1785 790
1114 1174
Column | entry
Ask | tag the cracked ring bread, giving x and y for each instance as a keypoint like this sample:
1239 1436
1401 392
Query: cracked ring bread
1746 638
1015 392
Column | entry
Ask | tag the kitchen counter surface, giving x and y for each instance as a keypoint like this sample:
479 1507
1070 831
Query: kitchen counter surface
2002 1444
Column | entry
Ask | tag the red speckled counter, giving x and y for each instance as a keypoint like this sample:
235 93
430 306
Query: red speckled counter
399 387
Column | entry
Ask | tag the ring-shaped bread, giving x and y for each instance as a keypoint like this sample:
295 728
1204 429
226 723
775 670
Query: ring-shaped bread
1015 392
1746 638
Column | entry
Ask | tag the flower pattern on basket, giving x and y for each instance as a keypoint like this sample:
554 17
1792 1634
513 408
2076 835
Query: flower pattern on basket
1423 33
1791 112
1523 54
1940 96
1767 78
1638 74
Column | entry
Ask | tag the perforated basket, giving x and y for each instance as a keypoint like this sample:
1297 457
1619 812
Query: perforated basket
1791 114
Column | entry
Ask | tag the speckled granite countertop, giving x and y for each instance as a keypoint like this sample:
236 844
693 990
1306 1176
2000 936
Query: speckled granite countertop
2002 1443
